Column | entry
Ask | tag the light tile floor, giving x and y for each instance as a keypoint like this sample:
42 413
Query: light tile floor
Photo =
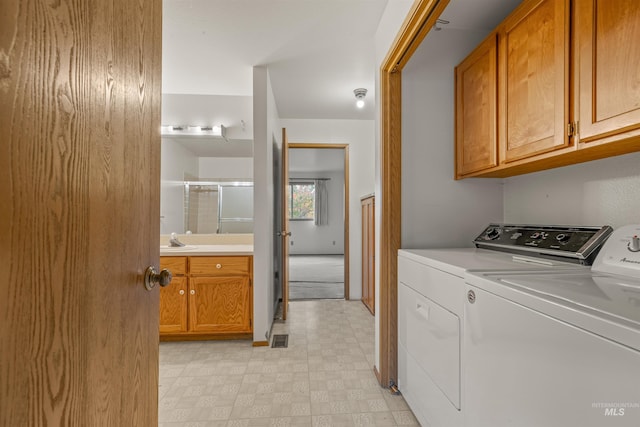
324 377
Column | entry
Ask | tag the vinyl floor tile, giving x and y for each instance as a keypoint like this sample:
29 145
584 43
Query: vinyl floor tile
324 377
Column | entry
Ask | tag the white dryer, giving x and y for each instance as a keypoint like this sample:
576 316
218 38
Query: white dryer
431 303
556 348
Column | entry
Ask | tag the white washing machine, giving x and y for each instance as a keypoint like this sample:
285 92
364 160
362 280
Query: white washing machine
431 304
556 348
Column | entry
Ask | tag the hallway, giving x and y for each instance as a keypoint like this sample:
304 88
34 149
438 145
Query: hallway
323 378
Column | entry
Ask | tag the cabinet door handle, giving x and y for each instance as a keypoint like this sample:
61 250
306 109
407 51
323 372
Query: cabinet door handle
193 292
218 266
181 292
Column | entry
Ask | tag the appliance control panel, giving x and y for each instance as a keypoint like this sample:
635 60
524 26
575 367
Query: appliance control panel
621 253
562 241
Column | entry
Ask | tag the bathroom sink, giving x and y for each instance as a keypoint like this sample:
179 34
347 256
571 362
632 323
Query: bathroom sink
179 248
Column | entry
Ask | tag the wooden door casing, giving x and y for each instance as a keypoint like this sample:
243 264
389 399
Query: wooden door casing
284 273
219 304
80 86
607 94
534 79
476 109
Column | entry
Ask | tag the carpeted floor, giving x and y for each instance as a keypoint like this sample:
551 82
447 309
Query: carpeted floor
316 277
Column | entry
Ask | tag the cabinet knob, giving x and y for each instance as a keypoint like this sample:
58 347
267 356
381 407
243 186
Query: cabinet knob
192 292
218 265
181 292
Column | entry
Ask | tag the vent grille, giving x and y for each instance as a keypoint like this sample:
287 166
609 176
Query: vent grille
280 341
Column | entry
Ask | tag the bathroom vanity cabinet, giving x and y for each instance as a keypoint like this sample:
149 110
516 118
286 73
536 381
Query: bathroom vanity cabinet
209 297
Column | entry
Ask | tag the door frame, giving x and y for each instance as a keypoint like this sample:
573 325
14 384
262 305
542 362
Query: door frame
421 18
344 147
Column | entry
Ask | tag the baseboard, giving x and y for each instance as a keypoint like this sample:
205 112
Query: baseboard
261 343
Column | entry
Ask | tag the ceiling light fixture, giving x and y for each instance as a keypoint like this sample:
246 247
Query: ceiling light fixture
192 130
360 94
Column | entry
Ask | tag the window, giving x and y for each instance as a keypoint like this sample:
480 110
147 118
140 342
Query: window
301 197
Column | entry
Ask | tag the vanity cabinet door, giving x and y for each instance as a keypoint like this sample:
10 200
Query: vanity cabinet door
173 306
534 80
607 82
173 298
220 304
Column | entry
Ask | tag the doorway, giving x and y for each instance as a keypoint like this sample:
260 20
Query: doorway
317 198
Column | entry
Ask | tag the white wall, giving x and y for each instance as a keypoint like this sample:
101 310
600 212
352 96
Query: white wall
601 192
175 162
266 131
359 134
308 238
438 211
226 168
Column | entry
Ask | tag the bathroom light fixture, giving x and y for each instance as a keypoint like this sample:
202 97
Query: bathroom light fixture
360 94
194 130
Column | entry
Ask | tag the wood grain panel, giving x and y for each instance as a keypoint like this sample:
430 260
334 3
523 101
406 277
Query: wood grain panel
177 265
534 62
368 253
173 306
607 94
79 177
219 265
476 109
220 304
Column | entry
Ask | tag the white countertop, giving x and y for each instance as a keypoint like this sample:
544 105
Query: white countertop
206 250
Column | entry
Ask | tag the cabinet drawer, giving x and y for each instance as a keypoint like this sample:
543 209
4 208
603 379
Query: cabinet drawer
176 264
220 265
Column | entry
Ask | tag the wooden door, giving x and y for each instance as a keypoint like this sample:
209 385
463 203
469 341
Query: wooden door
607 63
533 76
368 253
219 304
476 109
80 86
284 233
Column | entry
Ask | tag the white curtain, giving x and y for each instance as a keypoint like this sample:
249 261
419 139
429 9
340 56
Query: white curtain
321 213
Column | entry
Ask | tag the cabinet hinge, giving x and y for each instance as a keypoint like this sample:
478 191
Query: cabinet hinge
572 129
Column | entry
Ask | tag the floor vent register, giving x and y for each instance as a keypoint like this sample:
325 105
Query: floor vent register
280 341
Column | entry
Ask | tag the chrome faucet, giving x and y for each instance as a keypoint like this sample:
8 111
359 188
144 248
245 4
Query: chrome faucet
174 242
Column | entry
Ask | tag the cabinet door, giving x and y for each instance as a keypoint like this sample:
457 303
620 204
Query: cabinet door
173 306
368 254
533 76
476 119
220 304
608 63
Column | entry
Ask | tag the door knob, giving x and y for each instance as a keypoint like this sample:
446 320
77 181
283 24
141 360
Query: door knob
153 278
284 233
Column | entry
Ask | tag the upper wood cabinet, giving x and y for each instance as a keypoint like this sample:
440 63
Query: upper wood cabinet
568 89
534 79
607 81
476 112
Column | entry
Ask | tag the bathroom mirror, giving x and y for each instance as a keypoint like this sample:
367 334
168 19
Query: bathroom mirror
206 189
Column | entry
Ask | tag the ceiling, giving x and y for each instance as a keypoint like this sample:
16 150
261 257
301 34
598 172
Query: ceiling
317 51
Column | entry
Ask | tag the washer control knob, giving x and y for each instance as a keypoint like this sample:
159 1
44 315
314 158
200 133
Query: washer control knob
634 244
563 237
492 233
